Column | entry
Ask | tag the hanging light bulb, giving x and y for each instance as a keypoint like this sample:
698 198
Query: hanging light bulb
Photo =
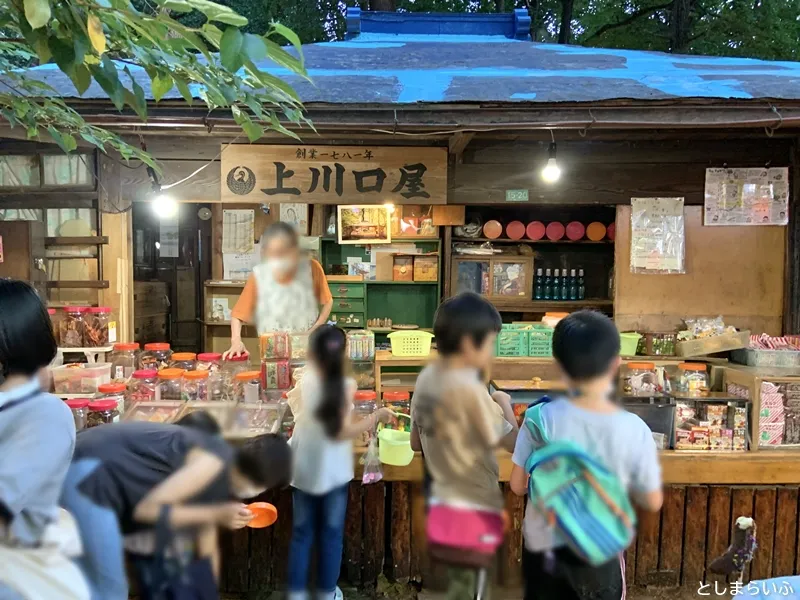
551 171
164 206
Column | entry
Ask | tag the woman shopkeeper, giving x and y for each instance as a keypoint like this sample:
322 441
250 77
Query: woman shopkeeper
286 292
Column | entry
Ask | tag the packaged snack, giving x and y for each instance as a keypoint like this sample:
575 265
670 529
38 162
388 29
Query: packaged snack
274 346
716 415
700 438
683 439
739 417
770 434
153 412
660 440
361 345
275 375
740 439
298 344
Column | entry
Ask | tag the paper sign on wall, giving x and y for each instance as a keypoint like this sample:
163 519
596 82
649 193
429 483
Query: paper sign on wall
657 235
757 196
1 248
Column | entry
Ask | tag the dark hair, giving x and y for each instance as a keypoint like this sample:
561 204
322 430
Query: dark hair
585 344
327 347
26 333
200 420
266 460
280 229
466 315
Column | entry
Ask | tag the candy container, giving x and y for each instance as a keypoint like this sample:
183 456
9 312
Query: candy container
275 375
194 386
155 356
80 411
102 412
124 361
72 327
113 391
247 387
99 331
361 345
153 412
274 345
208 361
235 364
363 406
399 402
186 361
169 384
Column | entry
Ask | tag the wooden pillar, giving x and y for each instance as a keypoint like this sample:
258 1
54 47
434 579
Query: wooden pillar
116 223
791 308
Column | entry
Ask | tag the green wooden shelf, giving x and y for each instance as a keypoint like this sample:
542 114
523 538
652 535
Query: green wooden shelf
402 282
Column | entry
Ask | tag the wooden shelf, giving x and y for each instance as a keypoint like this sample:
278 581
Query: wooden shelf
527 241
108 348
514 305
96 240
402 282
223 324
225 284
95 285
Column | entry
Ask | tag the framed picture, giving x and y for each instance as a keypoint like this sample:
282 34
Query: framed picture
364 225
296 215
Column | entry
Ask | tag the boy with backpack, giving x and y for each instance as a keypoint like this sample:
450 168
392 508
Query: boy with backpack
582 459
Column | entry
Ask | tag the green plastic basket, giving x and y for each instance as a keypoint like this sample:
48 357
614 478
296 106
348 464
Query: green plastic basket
540 342
512 342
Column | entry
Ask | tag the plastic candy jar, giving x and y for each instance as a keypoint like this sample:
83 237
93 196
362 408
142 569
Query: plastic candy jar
208 361
194 387
640 379
142 386
247 387
169 384
72 326
364 404
399 402
235 364
98 328
113 391
692 379
155 356
79 408
183 360
102 412
124 361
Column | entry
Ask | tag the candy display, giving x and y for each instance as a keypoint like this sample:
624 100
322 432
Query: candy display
692 379
275 375
298 344
113 391
219 388
186 361
640 379
80 378
235 364
256 419
102 412
274 346
99 331
209 361
194 386
72 327
153 412
80 411
247 387
221 411
364 374
704 327
142 386
169 384
124 361
364 404
361 344
399 402
155 356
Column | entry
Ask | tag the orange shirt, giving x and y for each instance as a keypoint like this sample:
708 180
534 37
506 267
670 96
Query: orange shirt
246 305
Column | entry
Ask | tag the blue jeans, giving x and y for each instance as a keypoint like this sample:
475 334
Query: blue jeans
321 517
103 559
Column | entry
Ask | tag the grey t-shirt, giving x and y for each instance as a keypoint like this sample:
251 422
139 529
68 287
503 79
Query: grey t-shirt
37 437
619 440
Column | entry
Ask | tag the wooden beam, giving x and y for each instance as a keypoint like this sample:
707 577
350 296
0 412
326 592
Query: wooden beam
458 143
76 241
63 283
791 308
48 199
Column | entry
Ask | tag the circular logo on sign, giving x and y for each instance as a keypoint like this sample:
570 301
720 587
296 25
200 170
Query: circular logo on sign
241 180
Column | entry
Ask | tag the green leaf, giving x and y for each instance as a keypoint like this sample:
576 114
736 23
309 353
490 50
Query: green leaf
254 47
63 53
183 88
230 49
37 12
105 74
96 34
213 34
254 131
87 135
281 57
136 99
82 79
42 49
217 12
64 140
180 6
161 84
32 131
277 126
290 36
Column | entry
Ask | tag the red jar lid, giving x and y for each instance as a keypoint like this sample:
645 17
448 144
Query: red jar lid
157 346
111 388
76 309
575 231
365 396
555 231
51 311
103 404
126 346
240 358
396 396
77 403
99 310
184 356
611 231
515 230
209 357
492 229
596 231
145 374
535 230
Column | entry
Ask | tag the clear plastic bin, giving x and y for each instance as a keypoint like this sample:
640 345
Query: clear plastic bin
78 378
256 419
221 411
153 412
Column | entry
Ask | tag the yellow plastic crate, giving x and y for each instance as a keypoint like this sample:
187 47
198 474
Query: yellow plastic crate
410 343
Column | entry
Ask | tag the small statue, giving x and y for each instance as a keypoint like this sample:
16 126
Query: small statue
740 552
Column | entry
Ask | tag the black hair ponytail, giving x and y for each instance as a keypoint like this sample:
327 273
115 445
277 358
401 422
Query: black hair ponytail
327 345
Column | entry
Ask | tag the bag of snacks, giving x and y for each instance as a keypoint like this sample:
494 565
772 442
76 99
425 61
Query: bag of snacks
373 472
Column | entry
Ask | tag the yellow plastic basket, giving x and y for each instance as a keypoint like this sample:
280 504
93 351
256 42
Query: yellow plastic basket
411 343
394 447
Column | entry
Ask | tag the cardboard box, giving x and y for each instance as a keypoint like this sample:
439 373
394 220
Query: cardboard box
403 268
426 268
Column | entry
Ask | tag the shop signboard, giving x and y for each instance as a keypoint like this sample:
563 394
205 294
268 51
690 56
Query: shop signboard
320 174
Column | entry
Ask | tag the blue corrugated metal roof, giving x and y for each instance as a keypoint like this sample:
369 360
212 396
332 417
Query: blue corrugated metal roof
407 68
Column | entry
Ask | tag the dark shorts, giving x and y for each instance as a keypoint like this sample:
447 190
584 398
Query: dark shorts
570 578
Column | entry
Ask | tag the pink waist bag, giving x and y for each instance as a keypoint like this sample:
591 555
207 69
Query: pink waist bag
464 536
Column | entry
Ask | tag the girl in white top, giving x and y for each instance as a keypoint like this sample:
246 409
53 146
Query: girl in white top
323 462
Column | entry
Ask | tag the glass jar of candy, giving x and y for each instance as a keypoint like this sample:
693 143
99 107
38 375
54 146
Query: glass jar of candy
142 386
219 387
194 387
186 361
124 361
72 327
247 387
113 391
102 412
155 356
274 346
55 319
98 328
364 404
692 379
361 345
208 361
80 411
399 402
169 384
235 364
640 379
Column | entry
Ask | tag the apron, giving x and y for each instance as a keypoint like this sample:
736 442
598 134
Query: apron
291 307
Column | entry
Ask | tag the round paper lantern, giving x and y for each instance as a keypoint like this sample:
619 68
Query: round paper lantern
596 231
535 230
515 230
611 231
555 231
492 230
575 231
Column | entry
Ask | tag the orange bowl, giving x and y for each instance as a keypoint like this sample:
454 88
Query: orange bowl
265 514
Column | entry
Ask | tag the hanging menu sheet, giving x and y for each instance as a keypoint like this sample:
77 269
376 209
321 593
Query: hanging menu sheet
756 196
657 235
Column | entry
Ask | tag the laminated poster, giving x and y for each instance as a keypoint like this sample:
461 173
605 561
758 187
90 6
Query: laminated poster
658 237
238 231
756 196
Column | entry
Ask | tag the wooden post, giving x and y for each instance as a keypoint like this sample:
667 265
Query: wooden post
374 532
791 306
353 542
398 567
694 542
511 556
116 224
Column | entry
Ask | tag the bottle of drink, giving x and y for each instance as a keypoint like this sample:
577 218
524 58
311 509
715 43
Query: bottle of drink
547 288
581 285
538 285
556 285
564 285
573 285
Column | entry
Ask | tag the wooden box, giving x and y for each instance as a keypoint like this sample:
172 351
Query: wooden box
403 268
714 344
426 268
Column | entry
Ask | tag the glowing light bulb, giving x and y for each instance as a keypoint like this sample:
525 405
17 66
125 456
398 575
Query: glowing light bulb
164 206
551 171
390 207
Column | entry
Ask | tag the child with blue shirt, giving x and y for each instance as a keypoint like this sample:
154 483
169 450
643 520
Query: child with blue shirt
586 348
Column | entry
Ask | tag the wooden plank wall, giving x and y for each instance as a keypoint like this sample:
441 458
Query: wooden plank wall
385 537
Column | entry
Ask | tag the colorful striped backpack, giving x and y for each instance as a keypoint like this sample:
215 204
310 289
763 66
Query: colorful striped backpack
581 499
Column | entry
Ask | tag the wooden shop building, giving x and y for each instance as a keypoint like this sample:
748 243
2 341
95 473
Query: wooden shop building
451 119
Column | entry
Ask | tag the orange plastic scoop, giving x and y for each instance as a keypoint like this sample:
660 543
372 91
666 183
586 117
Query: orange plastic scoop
265 514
